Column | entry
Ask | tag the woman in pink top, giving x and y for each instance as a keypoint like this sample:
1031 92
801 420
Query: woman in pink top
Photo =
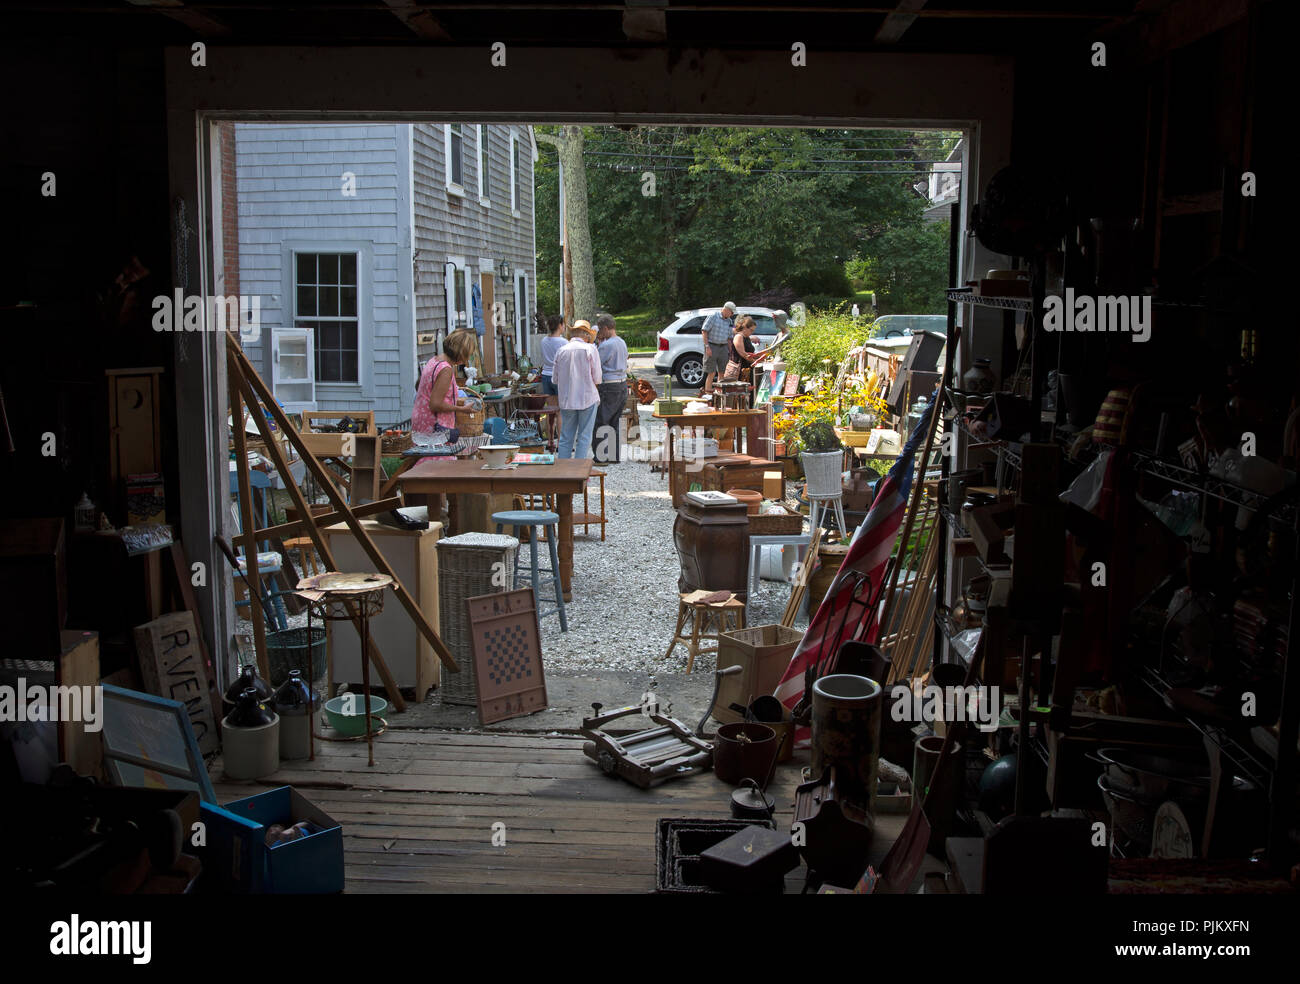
436 407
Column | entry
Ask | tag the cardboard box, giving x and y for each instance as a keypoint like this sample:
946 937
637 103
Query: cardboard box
236 858
774 485
763 652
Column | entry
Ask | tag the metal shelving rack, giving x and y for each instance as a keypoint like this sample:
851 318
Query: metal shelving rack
1281 777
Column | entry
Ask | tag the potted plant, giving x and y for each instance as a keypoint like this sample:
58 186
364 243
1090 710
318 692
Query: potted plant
822 456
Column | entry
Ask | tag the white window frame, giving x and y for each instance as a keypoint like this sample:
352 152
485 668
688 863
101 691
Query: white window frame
484 163
522 313
362 384
461 272
454 187
514 174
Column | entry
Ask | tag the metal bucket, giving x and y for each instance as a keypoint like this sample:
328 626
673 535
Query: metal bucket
744 751
846 734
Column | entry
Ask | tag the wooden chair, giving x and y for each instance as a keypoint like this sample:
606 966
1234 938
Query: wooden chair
268 561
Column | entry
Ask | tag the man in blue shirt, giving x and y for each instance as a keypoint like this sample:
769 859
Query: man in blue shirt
717 331
613 389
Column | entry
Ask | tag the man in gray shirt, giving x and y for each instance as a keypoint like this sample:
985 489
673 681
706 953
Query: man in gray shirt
717 331
612 389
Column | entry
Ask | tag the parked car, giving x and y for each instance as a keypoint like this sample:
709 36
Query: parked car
901 325
681 347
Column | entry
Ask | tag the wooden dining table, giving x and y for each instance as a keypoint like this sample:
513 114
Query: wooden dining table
562 480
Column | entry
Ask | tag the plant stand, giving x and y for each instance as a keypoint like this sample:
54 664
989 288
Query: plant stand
819 507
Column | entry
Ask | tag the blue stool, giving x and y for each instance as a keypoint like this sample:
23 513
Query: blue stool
535 520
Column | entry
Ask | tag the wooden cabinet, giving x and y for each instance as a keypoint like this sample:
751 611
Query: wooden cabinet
414 560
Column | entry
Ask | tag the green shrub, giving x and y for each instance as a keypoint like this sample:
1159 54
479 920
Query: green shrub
819 437
826 335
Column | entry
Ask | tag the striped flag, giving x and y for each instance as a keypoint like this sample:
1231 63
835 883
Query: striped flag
868 557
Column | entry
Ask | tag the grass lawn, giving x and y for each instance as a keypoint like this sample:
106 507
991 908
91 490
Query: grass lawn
640 328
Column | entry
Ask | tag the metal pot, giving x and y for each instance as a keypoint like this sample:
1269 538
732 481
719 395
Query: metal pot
1152 779
751 803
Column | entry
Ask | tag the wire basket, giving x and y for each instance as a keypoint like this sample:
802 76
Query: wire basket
469 565
287 650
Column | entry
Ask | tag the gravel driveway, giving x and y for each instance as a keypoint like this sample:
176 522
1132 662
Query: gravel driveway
625 595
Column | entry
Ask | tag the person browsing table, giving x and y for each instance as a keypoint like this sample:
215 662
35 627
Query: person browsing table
436 408
551 344
717 331
612 389
577 378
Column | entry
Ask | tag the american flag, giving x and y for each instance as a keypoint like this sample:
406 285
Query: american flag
867 559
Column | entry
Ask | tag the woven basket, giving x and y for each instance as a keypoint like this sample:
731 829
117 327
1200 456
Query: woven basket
397 443
466 569
776 524
823 470
471 424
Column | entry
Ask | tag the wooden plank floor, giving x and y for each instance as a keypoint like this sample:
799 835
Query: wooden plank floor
421 820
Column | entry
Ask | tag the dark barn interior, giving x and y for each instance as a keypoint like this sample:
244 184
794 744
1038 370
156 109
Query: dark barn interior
1117 148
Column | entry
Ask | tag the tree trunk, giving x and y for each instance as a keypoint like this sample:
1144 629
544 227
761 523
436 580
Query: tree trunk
577 232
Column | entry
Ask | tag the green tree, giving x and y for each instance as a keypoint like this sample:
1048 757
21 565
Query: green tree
686 216
907 267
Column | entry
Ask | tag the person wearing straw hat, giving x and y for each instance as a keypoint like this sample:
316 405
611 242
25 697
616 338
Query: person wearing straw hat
577 377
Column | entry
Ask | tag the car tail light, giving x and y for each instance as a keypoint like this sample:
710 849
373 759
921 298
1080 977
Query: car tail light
663 344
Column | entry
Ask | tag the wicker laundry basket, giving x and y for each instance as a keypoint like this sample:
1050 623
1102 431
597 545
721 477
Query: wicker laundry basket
467 568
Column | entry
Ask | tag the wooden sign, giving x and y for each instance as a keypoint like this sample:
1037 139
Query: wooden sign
172 666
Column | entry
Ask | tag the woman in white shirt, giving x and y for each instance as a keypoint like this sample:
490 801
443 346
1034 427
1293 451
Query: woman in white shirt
577 378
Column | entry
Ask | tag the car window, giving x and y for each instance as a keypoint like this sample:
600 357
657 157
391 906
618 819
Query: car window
691 327
764 324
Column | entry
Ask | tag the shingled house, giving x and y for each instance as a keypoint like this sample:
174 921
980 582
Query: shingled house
368 242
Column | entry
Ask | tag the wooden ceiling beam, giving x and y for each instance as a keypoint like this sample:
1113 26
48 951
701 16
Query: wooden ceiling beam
419 19
897 23
200 23
645 20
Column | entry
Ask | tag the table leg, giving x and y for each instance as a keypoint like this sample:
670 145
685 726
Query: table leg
672 472
564 506
365 682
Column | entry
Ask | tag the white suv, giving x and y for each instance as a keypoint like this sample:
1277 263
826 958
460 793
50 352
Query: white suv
681 346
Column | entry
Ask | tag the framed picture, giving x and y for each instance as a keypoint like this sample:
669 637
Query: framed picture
148 742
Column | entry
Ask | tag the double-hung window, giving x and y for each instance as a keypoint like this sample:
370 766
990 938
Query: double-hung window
325 288
454 141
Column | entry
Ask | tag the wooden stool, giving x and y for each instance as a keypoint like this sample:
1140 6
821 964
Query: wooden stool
587 519
699 616
306 553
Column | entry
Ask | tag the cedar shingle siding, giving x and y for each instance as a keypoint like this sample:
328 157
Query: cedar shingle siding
447 225
290 199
